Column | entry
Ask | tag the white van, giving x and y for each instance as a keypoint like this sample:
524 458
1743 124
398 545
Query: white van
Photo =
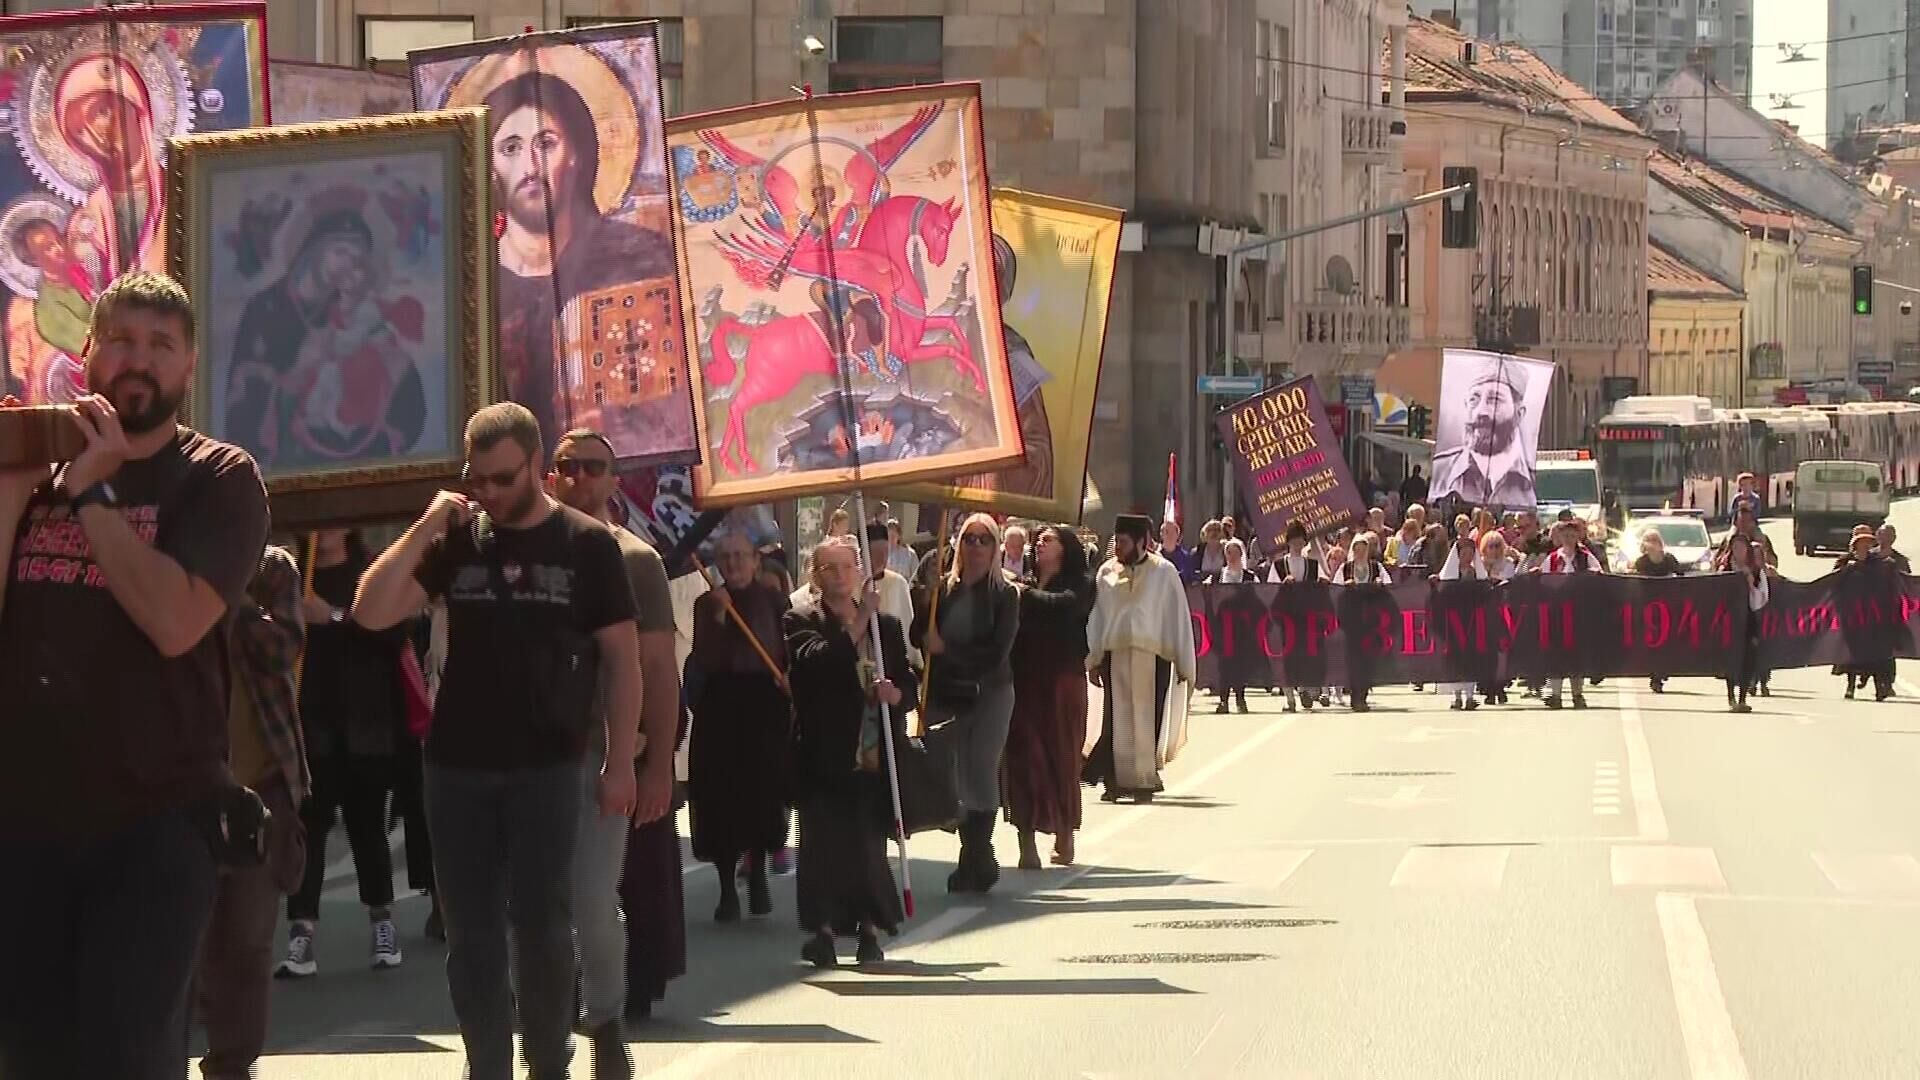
1831 497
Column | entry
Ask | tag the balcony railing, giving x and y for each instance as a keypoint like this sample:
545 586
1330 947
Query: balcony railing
1364 133
1359 329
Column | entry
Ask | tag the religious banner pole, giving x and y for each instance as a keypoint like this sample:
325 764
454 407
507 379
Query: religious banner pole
933 614
886 712
726 601
306 590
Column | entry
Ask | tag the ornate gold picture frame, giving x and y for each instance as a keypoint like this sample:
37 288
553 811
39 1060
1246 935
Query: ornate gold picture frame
342 276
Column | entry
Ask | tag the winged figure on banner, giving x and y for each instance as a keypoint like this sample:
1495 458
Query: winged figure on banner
848 234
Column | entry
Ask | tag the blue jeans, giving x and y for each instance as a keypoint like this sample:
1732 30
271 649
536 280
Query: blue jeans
503 844
98 942
600 929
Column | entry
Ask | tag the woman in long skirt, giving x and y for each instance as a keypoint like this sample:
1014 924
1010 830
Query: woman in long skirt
967 632
839 690
1049 725
738 764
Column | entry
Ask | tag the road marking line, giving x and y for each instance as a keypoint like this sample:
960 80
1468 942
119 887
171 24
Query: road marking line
1451 868
1713 1050
1856 873
1664 867
1646 793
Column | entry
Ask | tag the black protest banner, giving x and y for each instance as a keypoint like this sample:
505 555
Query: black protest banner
1289 463
1542 626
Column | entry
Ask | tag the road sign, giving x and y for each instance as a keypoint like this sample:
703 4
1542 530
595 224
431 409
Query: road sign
1235 386
1356 391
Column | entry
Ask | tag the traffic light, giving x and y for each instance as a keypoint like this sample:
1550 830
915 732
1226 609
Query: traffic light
1862 289
1419 421
1460 214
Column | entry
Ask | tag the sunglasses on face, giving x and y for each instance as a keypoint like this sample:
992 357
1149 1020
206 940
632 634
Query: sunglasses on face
977 540
572 468
476 480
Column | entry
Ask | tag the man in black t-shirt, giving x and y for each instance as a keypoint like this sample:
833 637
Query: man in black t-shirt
121 566
539 622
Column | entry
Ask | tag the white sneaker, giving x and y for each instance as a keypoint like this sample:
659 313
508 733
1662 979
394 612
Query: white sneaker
386 945
299 963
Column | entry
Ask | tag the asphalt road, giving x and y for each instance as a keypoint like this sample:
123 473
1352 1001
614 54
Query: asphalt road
1648 888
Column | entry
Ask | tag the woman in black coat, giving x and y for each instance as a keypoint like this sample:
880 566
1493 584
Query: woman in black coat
846 807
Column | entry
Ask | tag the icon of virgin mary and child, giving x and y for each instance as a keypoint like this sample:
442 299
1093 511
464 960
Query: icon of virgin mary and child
323 369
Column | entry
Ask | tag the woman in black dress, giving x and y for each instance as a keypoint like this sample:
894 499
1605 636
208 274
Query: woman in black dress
737 763
846 809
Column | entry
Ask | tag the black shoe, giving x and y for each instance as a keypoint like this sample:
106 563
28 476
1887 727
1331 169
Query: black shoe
819 951
1141 798
612 1060
986 865
1220 709
1579 701
1765 690
759 897
1552 702
436 928
869 951
1242 702
1472 705
961 880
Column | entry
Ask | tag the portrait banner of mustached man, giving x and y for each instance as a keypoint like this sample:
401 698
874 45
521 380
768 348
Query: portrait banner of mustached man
838 263
588 307
1054 260
87 102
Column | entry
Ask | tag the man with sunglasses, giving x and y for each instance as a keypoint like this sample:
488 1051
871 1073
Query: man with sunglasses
540 630
583 478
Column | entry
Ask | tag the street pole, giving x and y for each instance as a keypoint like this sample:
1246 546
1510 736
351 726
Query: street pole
1240 251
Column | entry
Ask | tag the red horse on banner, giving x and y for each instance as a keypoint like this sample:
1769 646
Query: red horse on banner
873 310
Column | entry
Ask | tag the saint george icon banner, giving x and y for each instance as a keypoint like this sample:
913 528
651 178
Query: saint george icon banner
1543 626
588 309
837 261
88 100
1054 262
1289 463
1487 433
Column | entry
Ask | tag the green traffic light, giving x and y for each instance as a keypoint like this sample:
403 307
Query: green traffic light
1859 307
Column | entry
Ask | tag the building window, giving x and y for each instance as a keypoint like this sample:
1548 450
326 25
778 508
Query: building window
1279 78
871 54
385 41
1277 220
673 53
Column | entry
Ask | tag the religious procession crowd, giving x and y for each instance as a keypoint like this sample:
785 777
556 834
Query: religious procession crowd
191 708
1480 544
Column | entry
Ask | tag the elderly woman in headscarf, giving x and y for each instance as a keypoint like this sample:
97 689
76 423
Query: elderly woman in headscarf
966 633
841 693
737 764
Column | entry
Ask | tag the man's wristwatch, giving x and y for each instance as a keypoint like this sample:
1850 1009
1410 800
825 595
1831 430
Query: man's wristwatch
100 494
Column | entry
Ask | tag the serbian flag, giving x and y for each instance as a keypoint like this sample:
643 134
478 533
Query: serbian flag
1171 511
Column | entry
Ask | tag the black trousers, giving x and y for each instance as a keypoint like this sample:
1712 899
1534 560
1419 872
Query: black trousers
354 788
410 808
98 940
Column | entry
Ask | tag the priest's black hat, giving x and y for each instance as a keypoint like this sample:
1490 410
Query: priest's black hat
1138 526
876 531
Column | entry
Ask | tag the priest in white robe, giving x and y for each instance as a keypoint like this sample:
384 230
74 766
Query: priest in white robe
1140 650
